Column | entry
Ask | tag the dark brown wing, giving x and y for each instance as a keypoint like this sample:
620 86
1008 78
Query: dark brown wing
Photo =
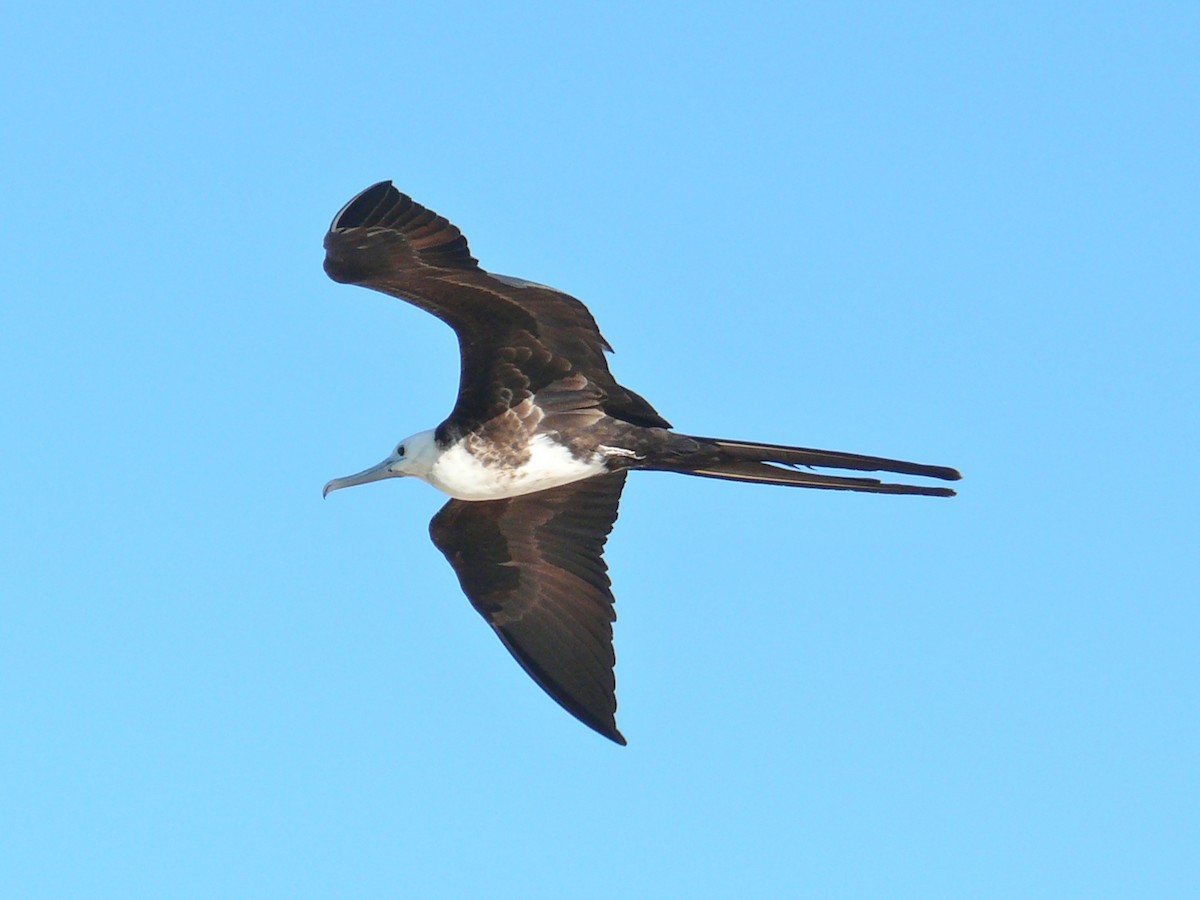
533 567
515 337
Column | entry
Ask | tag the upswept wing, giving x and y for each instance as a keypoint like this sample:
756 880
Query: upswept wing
533 567
515 337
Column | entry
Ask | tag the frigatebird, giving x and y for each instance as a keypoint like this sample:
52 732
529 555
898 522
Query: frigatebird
536 450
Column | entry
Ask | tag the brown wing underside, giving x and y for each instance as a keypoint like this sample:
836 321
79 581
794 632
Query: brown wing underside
515 337
533 567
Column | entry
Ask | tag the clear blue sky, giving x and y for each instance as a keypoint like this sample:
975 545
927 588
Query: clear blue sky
965 234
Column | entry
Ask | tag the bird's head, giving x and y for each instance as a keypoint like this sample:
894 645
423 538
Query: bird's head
413 456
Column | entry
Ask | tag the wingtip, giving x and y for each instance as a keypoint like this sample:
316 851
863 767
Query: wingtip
361 205
604 726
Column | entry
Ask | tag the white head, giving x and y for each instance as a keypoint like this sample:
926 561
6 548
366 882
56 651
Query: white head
413 456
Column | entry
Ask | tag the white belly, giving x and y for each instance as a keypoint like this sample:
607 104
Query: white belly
460 474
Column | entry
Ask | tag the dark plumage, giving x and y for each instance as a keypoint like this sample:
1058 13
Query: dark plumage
537 447
554 609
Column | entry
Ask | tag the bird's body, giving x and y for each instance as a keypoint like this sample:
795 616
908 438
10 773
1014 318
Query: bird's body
473 468
537 448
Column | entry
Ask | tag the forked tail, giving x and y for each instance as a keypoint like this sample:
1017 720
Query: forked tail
773 464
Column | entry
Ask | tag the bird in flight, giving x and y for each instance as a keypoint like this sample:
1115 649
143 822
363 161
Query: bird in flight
536 450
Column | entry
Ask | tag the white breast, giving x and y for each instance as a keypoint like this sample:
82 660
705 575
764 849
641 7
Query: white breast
461 474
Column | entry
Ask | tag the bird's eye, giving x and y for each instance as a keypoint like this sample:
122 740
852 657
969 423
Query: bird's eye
400 450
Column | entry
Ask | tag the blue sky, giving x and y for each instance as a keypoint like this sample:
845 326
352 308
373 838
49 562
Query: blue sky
963 234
